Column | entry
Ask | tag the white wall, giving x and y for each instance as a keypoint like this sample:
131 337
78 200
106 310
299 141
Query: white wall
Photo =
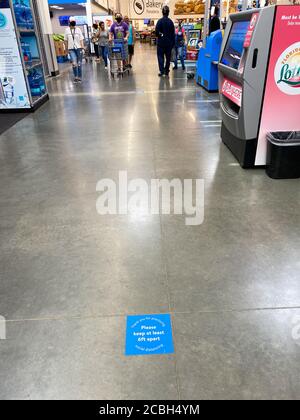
124 6
57 29
98 10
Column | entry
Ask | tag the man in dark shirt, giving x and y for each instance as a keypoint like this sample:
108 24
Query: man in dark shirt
165 32
215 23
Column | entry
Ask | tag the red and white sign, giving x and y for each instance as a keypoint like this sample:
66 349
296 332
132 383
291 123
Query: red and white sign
233 92
251 28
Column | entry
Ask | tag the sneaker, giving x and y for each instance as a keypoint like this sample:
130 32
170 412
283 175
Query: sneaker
160 74
75 80
175 68
79 80
105 67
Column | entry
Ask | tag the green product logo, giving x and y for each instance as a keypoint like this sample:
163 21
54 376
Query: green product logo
287 70
290 75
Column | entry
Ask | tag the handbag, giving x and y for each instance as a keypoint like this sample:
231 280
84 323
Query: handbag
95 37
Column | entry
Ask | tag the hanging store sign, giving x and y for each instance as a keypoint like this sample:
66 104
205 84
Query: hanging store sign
141 9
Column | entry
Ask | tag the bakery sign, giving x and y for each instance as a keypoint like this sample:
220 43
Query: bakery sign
146 9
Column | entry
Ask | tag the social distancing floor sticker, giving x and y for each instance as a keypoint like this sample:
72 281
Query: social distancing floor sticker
149 334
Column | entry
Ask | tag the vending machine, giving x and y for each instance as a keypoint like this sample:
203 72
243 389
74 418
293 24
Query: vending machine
22 78
259 79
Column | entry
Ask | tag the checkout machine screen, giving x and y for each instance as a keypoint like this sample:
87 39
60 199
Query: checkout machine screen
235 45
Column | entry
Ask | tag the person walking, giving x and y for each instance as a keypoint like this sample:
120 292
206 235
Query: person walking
131 41
119 29
103 43
180 40
95 40
215 23
165 32
74 43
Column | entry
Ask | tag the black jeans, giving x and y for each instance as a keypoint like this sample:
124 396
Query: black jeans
164 59
96 47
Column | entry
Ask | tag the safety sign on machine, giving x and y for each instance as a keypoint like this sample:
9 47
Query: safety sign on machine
149 334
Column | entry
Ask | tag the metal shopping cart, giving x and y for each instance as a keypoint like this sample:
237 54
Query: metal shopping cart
87 51
192 53
118 57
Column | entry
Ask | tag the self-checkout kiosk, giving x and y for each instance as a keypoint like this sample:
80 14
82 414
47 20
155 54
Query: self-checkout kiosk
207 65
259 78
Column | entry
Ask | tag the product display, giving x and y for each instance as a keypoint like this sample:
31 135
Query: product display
36 82
60 46
22 80
23 14
188 8
26 53
230 7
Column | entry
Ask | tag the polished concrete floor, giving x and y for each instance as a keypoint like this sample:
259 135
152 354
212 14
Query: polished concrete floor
69 277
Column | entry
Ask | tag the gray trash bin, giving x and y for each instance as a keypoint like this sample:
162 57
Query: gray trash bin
283 157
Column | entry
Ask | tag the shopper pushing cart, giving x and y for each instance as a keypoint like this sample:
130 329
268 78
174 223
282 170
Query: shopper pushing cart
118 49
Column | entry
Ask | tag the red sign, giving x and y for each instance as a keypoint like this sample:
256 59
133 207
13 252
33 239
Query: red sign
251 28
233 92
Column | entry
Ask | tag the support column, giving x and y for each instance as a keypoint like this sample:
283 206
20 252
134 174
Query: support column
47 34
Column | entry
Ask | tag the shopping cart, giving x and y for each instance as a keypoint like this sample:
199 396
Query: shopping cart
87 54
192 54
118 57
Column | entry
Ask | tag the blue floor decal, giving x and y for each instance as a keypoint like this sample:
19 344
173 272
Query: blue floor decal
149 334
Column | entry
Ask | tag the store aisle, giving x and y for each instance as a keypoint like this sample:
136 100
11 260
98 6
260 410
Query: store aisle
69 277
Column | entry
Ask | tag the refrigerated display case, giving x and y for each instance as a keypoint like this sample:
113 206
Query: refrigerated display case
22 77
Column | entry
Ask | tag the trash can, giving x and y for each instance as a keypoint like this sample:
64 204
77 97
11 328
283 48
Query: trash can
283 157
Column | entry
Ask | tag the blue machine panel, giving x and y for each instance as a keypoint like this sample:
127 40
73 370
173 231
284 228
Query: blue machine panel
207 66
